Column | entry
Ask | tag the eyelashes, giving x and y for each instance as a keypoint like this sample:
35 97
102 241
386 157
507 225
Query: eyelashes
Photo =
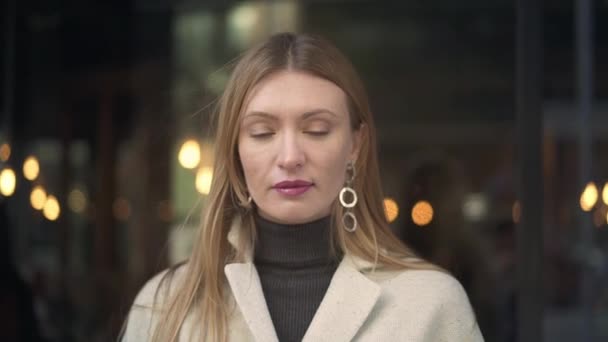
261 136
317 133
266 135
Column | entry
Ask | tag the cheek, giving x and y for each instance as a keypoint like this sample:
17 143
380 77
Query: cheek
334 161
253 163
247 162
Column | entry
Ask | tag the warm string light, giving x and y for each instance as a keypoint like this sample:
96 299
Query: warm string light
422 213
51 209
391 209
31 168
38 197
8 182
189 155
589 197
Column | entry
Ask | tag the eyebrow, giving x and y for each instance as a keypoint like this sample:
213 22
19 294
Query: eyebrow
304 115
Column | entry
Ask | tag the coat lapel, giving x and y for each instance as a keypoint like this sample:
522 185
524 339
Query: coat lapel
350 298
345 307
247 291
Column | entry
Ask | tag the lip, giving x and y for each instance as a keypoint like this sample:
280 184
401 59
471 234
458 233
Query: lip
292 187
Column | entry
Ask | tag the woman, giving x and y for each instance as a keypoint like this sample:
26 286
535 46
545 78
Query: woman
294 244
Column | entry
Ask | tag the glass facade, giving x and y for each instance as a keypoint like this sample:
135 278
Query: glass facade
106 147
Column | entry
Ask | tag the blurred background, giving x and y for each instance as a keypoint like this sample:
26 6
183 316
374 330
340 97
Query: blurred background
493 131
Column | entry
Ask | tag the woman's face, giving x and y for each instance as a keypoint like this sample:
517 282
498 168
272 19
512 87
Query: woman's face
295 141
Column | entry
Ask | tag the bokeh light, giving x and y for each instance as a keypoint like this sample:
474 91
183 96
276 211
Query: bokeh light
422 213
244 23
51 208
5 152
391 209
8 181
605 194
204 176
77 201
31 168
589 197
38 197
190 154
475 207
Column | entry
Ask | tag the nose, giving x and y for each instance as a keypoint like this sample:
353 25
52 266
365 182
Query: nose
291 156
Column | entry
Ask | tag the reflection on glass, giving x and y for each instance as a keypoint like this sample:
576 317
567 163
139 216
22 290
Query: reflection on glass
8 182
51 208
38 198
31 168
589 197
422 213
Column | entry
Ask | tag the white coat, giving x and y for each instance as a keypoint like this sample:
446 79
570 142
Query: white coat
359 305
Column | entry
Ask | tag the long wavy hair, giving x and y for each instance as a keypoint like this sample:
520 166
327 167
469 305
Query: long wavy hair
202 290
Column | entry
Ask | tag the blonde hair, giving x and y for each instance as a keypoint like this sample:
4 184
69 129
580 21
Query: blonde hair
201 291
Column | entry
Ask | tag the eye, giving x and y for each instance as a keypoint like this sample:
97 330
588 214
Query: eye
262 135
317 133
260 130
317 128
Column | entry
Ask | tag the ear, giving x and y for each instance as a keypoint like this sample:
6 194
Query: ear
358 137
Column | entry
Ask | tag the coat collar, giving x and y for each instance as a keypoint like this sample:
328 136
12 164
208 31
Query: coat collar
348 301
247 291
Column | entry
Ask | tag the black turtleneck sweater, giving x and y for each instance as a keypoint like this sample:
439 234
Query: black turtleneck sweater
295 269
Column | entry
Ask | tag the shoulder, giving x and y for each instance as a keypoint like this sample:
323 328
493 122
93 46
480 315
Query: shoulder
156 290
428 287
436 299
426 280
431 286
149 302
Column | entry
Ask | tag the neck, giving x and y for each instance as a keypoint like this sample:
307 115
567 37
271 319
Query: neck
293 245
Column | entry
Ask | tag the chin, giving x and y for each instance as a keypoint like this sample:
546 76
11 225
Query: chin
291 215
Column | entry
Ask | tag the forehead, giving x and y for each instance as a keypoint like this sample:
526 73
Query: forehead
295 92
